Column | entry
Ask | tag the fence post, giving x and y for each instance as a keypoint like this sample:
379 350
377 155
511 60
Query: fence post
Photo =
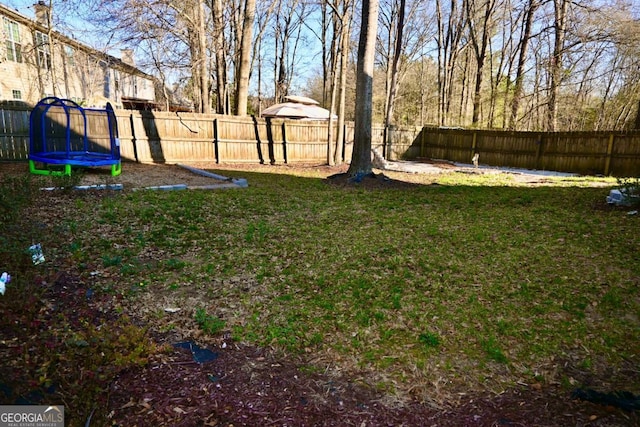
256 129
270 142
134 142
284 141
538 151
474 144
330 155
607 163
344 143
446 144
388 142
216 141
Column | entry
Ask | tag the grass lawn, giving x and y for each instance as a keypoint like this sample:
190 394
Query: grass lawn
459 284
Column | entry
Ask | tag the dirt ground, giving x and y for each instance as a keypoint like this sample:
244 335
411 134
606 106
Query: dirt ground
133 176
240 385
396 173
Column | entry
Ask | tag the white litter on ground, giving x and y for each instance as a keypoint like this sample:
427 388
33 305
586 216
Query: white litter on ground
239 182
622 197
428 168
504 169
88 187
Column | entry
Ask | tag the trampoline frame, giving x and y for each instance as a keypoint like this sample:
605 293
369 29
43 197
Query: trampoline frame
69 157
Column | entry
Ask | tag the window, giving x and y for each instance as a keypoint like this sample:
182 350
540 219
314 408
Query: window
17 94
42 48
12 40
70 55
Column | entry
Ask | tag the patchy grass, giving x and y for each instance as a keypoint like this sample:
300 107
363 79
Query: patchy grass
209 324
464 282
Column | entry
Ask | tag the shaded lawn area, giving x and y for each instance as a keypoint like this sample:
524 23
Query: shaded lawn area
427 292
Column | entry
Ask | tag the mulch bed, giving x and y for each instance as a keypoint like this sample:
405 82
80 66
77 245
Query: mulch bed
247 386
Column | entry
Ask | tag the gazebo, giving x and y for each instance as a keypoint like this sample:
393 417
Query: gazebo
298 107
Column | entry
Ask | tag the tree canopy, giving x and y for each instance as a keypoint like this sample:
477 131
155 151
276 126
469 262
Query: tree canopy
511 64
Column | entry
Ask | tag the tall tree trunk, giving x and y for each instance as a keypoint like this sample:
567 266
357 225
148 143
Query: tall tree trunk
52 52
464 92
327 54
202 59
361 156
397 52
449 48
344 59
244 71
522 59
339 56
441 55
221 63
479 43
560 15
333 86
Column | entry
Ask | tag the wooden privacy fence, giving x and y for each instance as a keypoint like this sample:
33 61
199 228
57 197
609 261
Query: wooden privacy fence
188 137
589 153
14 134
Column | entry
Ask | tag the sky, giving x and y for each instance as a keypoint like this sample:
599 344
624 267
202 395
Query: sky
22 6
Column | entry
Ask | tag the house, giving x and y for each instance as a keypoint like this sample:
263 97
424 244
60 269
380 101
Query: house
37 61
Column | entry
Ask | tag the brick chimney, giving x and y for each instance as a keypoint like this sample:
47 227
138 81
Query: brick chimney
127 57
42 13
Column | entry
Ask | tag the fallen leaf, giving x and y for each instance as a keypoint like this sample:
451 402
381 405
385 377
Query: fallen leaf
129 404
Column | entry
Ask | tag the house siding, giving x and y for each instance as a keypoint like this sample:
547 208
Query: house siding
64 68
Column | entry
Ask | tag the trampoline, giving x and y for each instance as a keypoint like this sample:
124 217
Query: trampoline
63 135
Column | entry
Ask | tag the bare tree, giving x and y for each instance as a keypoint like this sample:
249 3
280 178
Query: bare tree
555 63
480 26
393 68
520 64
200 54
335 75
523 51
180 25
345 40
220 52
287 35
242 82
450 23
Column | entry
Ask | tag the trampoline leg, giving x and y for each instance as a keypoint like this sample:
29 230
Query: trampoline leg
66 171
48 172
36 171
116 169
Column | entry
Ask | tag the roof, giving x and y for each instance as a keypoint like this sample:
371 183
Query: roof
298 107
